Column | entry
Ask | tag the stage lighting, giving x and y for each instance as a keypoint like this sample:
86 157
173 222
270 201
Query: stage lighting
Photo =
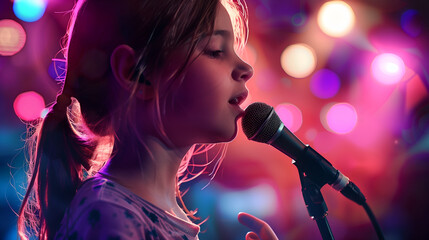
336 18
260 200
290 115
325 84
28 106
410 23
29 10
340 118
12 37
298 60
388 68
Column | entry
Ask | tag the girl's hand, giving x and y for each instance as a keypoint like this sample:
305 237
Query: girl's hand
260 229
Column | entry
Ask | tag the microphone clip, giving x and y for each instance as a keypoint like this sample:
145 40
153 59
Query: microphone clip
317 168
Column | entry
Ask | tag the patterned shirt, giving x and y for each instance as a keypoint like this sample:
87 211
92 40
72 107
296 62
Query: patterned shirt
103 209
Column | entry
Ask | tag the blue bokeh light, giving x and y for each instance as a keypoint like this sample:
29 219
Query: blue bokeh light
57 70
299 19
410 23
29 10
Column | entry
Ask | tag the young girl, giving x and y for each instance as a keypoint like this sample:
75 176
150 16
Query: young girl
146 81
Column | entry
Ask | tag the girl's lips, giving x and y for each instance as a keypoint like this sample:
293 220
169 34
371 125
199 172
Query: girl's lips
241 114
238 110
239 99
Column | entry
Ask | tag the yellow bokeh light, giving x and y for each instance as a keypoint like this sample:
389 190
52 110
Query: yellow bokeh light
336 18
298 60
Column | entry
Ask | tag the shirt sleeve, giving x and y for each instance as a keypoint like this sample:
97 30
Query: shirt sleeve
105 221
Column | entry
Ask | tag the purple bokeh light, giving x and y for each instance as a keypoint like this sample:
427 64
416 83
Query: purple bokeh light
410 23
325 84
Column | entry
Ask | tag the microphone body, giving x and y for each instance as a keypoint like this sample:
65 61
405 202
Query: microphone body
261 123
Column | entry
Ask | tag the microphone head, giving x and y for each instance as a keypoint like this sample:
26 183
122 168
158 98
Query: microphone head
260 122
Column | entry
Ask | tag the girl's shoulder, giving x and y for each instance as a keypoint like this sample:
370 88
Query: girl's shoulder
102 207
98 189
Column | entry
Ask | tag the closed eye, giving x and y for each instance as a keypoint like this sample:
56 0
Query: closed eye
214 54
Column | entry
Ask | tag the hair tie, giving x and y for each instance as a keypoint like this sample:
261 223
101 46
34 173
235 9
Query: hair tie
63 101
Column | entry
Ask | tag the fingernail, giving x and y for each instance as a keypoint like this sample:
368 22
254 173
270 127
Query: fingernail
252 236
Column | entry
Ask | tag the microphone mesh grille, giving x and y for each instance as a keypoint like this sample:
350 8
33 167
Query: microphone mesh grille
253 121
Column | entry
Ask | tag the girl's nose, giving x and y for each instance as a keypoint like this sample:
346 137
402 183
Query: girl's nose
243 71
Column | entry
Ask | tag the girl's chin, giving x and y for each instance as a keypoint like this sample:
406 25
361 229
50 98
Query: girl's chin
231 135
222 138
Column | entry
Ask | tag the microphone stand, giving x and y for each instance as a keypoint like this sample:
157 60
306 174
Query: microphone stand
316 205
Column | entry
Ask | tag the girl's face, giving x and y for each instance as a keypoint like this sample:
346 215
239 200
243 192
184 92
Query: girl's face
205 106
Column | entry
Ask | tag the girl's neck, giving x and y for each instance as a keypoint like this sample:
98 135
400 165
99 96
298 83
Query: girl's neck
148 171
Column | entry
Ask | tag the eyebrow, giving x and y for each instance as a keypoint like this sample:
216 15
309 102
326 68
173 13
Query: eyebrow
223 33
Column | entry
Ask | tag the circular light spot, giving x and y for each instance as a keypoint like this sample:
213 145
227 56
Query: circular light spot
28 106
336 18
57 69
340 118
290 115
410 23
311 134
29 10
44 112
299 19
324 84
388 68
12 37
298 60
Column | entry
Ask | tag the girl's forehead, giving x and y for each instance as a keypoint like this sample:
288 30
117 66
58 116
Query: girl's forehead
223 20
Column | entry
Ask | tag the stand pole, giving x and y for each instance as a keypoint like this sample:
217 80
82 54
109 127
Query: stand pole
316 205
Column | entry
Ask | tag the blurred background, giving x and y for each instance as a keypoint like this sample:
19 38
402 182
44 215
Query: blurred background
350 78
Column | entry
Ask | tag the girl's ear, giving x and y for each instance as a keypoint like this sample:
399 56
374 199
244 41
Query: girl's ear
123 61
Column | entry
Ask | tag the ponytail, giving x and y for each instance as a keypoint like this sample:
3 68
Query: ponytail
56 157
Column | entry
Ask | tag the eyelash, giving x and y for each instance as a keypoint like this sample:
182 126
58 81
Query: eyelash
214 54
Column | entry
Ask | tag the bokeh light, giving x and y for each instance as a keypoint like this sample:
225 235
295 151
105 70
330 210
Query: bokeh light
28 106
12 37
410 23
388 68
299 19
340 118
57 69
44 112
325 84
260 200
29 10
290 115
336 18
298 60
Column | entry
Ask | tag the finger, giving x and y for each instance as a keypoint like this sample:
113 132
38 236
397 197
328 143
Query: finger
252 236
257 225
251 221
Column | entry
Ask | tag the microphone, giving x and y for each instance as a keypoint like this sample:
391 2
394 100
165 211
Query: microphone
261 124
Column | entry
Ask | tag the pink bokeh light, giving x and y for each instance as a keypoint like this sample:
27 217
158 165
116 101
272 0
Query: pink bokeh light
28 106
12 37
290 115
340 118
388 68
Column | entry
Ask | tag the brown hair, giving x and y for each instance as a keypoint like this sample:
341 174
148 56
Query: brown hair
73 141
